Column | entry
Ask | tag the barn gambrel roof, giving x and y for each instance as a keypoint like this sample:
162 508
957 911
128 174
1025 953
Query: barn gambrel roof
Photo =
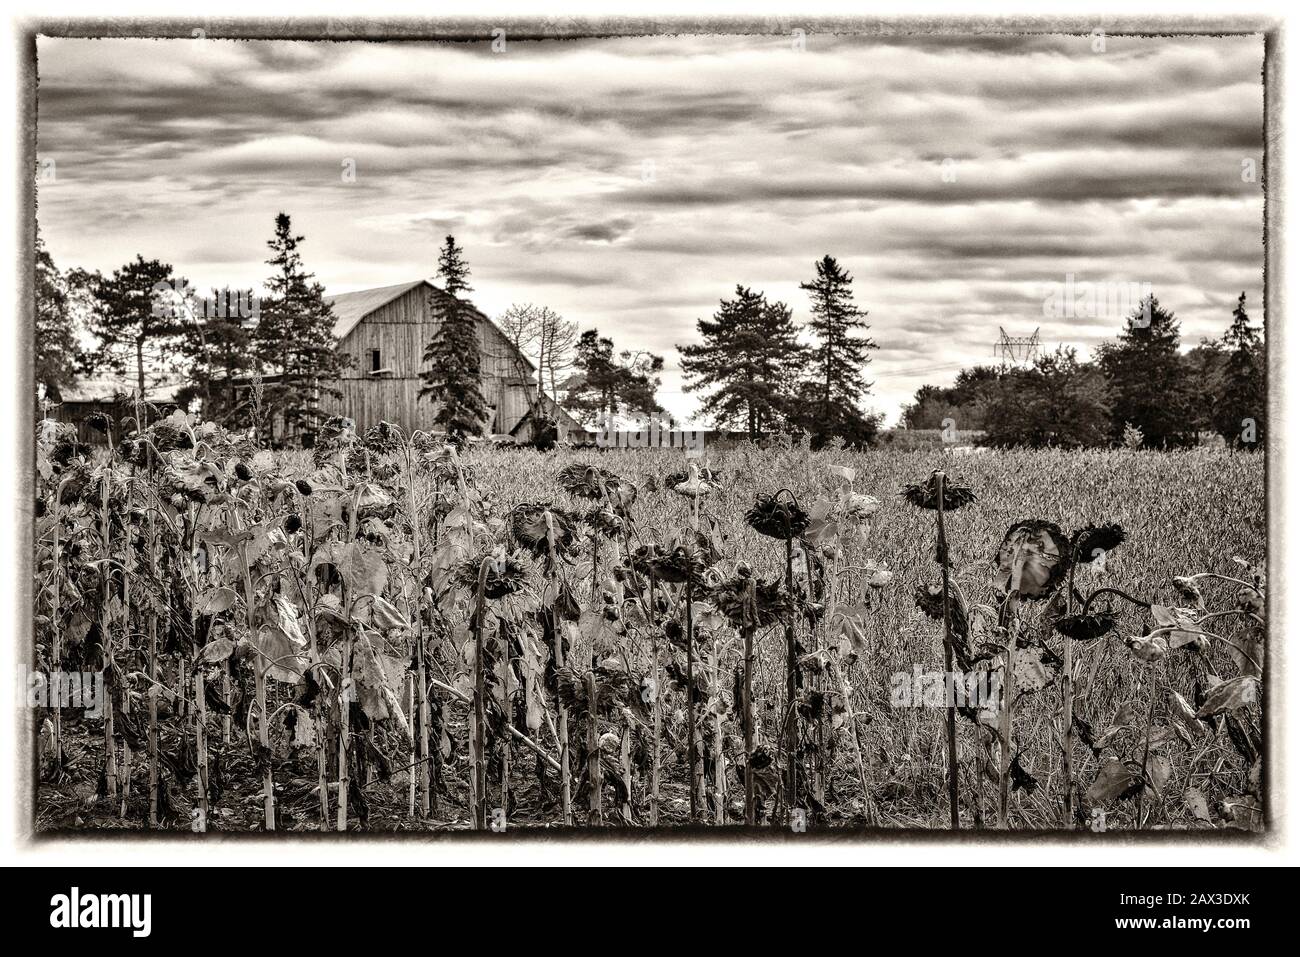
350 308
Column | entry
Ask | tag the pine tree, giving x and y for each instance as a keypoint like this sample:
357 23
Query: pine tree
606 385
219 344
138 320
1147 378
295 337
830 395
57 352
1243 398
749 357
453 378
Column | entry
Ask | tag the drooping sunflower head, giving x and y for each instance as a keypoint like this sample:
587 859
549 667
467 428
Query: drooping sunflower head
543 530
777 517
167 438
604 521
505 573
383 439
749 602
929 599
99 422
1032 558
695 482
926 495
1093 541
684 558
644 557
598 484
1085 627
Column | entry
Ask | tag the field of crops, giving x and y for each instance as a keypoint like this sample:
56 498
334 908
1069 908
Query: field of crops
385 634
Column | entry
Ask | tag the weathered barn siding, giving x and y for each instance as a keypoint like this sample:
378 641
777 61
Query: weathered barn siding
400 330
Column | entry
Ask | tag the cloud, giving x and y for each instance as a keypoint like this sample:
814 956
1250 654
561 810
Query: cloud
630 183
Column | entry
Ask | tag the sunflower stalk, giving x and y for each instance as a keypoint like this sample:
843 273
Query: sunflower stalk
692 748
595 814
657 731
747 710
478 742
941 553
1067 713
719 758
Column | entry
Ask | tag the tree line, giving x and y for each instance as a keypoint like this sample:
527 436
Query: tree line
757 374
268 362
1139 389
755 369
146 323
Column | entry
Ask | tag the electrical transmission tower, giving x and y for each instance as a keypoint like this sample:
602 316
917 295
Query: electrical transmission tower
1016 350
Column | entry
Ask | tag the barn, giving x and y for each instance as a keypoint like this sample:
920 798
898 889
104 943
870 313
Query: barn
385 331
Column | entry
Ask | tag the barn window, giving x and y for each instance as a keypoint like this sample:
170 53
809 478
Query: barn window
374 360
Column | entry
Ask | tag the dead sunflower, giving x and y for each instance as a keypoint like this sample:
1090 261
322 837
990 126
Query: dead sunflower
597 484
685 561
383 439
543 530
604 521
1032 558
1085 627
506 574
776 517
1092 539
927 495
750 602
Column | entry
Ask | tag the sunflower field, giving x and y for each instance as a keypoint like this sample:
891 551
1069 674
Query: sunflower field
386 633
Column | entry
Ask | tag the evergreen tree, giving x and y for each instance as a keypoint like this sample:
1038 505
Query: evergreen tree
295 337
1243 398
607 385
1147 378
138 320
454 375
830 395
57 351
220 346
1203 367
749 358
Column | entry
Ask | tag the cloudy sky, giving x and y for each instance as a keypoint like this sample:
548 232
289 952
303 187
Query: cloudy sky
631 183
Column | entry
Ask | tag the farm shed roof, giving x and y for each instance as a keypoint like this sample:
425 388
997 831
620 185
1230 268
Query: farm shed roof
566 421
105 388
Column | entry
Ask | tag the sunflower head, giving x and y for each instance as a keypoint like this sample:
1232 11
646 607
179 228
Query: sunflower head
645 556
1188 588
777 517
167 438
694 482
682 563
506 574
1085 627
1032 558
674 479
543 530
929 599
1093 539
926 495
749 602
598 484
383 439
